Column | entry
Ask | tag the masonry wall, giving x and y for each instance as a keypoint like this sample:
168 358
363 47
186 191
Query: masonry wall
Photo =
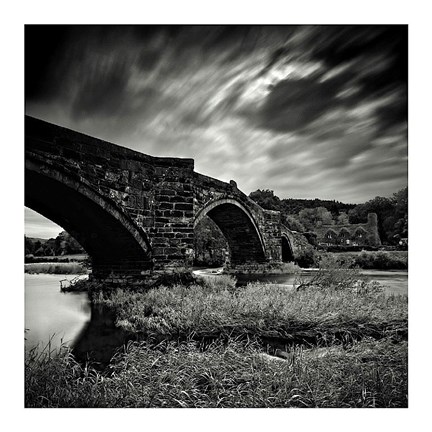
156 193
172 233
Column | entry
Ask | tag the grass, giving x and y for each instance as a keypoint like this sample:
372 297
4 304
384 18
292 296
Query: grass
367 374
61 258
257 310
257 268
211 344
55 268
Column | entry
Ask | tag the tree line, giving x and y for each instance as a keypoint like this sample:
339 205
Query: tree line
63 244
305 215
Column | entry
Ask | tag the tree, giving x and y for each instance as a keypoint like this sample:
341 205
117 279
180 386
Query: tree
342 219
392 215
209 243
28 246
266 199
313 218
293 223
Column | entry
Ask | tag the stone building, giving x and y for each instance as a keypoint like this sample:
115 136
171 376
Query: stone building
362 234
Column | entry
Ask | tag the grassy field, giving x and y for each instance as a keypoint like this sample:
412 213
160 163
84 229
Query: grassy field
211 344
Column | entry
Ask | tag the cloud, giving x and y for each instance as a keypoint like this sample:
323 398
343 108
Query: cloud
304 110
294 104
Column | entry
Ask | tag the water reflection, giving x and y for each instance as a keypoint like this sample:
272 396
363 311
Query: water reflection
100 339
52 316
57 318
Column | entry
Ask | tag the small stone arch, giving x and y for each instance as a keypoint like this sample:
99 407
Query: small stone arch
287 250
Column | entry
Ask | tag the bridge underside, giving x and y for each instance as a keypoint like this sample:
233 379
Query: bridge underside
241 235
112 247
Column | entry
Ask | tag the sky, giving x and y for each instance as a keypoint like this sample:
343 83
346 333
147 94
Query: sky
306 111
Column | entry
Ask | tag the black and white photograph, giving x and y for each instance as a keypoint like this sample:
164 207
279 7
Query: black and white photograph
216 216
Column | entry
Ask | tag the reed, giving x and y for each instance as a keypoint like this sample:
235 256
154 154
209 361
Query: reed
215 308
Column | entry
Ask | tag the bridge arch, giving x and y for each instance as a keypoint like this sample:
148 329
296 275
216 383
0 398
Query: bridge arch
287 250
239 228
112 239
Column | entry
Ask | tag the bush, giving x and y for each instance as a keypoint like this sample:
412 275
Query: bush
382 260
307 258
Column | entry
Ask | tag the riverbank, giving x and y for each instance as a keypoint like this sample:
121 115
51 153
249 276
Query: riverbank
372 260
212 344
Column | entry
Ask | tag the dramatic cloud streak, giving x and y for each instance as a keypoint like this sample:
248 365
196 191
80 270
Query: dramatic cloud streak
308 111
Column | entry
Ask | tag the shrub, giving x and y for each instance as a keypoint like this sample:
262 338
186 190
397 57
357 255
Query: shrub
333 274
307 257
382 260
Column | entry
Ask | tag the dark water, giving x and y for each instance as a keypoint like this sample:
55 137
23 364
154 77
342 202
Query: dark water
90 330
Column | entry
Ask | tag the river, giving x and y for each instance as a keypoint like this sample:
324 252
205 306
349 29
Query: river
51 315
393 281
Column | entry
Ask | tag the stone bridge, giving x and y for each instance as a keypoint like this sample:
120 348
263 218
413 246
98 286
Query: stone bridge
134 213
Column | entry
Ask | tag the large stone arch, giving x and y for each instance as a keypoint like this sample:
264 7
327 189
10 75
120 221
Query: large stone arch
239 228
115 243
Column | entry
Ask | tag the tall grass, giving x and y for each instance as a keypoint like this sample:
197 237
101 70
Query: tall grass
257 309
367 374
207 345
